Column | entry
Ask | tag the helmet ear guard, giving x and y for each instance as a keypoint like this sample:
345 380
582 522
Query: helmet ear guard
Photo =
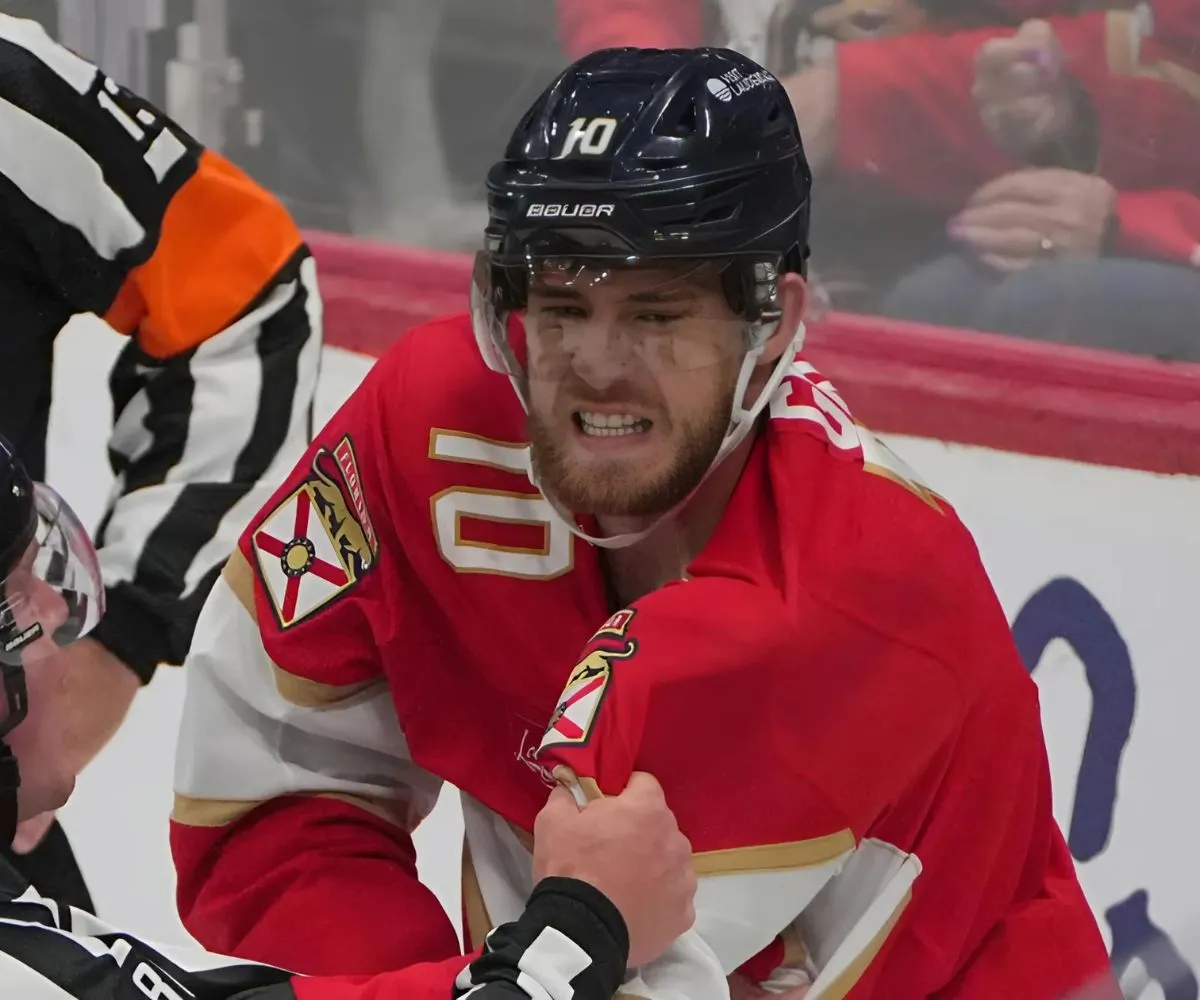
752 286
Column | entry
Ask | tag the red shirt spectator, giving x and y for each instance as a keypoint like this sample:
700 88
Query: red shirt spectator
1139 67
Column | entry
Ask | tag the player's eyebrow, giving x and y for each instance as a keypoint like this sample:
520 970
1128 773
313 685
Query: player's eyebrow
660 296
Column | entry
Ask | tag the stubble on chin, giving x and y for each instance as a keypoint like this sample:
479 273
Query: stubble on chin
622 487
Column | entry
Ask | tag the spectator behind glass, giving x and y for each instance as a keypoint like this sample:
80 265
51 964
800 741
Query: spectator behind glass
920 163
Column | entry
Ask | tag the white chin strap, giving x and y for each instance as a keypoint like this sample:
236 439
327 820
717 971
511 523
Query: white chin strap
741 421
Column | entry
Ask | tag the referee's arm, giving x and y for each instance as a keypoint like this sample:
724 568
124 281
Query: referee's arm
569 944
120 213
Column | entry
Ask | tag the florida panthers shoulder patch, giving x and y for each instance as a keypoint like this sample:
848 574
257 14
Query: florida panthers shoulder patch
319 541
575 717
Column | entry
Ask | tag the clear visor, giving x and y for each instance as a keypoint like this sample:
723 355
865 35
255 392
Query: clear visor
548 316
53 593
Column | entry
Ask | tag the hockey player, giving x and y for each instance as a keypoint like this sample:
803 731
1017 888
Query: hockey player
611 879
109 208
621 452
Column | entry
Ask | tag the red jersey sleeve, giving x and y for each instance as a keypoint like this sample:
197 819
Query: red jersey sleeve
774 802
295 792
675 683
859 767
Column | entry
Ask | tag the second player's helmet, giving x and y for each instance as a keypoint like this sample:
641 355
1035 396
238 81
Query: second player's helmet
658 158
50 585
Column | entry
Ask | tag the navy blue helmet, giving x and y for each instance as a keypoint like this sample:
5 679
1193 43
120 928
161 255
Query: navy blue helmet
638 154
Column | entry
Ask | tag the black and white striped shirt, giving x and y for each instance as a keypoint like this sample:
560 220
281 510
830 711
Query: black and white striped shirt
107 207
570 944
53 952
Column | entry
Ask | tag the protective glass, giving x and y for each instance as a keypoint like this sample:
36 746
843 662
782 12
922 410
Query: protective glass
52 595
546 316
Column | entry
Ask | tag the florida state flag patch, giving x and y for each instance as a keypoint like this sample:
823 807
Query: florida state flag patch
319 542
575 717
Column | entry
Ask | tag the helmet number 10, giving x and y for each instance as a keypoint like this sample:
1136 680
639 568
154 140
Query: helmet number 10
588 135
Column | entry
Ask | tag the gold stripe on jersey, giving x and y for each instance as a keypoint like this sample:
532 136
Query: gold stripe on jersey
240 578
915 488
571 781
740 860
880 460
795 951
841 987
475 911
775 857
303 693
294 689
398 811
193 811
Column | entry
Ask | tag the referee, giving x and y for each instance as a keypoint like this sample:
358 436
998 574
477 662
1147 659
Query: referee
616 874
107 207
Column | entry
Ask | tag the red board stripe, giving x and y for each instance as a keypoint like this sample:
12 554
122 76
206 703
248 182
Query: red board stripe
1100 407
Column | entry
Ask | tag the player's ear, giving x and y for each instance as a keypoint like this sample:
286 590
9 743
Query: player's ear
793 298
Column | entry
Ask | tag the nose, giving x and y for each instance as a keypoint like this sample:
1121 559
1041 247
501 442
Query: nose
601 354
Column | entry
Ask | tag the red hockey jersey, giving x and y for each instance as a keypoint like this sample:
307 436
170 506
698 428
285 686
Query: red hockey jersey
831 700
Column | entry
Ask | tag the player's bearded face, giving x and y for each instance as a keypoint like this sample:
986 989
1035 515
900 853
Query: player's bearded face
631 375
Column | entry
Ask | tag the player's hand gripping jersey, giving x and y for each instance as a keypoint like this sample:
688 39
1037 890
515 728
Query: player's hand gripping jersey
831 700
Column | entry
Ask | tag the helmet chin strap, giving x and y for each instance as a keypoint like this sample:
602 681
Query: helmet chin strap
741 422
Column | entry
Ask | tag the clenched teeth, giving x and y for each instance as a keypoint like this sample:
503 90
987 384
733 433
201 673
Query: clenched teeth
611 424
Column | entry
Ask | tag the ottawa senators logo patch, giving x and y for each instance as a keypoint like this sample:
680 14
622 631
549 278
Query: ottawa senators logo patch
319 542
575 717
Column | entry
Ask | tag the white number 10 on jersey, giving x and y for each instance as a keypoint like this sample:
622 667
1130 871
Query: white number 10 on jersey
452 508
